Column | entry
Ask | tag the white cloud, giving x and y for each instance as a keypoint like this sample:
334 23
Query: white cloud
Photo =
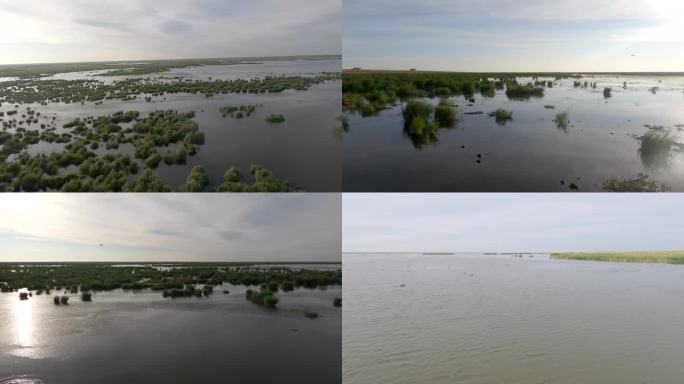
80 30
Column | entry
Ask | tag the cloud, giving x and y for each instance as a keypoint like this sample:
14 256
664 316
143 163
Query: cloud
171 227
506 35
510 222
83 30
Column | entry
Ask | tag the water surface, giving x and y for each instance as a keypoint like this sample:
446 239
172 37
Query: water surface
475 318
529 153
124 337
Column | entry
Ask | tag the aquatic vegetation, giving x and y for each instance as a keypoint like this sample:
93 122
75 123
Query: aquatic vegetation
502 116
416 110
237 112
263 297
337 302
669 257
23 296
264 181
607 93
655 147
343 128
197 180
86 296
561 121
526 91
64 300
640 183
275 118
445 114
93 277
310 314
56 300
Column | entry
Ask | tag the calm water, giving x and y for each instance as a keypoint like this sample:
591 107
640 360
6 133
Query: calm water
473 318
303 150
144 338
529 153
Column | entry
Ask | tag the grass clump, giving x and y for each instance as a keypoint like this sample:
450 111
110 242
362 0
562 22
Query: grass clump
196 181
23 296
64 300
561 121
337 302
502 116
640 183
264 181
607 92
86 296
518 91
445 114
275 118
668 257
310 314
263 297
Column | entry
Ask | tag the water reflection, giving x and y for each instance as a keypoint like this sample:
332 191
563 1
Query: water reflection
23 323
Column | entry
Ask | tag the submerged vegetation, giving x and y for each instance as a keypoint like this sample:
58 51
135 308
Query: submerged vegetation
640 183
669 257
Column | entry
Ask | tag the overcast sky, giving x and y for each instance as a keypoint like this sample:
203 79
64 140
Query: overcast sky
176 227
462 222
515 35
34 31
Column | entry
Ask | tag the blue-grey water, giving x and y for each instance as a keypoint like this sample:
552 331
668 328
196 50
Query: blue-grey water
529 153
125 337
476 318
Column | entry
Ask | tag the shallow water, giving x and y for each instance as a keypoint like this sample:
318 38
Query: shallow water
303 150
143 338
475 318
529 153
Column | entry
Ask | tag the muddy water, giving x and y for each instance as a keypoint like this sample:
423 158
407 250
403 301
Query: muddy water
475 318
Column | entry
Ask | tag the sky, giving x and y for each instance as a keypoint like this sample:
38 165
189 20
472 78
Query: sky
529 222
176 227
514 35
42 31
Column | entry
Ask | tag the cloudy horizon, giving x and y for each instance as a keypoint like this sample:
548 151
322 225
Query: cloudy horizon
515 36
465 222
178 227
36 31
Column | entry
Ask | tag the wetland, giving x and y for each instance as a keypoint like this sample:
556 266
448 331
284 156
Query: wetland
141 323
509 132
252 124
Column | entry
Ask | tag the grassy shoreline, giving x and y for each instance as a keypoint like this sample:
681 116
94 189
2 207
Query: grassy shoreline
665 257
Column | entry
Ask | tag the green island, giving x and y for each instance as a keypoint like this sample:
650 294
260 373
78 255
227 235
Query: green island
667 257
175 280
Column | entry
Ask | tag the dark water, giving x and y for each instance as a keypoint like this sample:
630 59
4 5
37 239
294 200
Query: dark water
144 338
303 150
474 318
530 153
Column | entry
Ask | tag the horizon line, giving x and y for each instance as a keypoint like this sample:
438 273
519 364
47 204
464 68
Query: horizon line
170 59
362 69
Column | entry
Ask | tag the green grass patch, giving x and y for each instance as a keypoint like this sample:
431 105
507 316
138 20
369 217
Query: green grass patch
668 257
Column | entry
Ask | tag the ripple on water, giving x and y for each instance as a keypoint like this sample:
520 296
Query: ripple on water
21 380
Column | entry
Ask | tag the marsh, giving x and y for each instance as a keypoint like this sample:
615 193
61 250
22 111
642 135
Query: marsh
301 150
140 336
559 132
